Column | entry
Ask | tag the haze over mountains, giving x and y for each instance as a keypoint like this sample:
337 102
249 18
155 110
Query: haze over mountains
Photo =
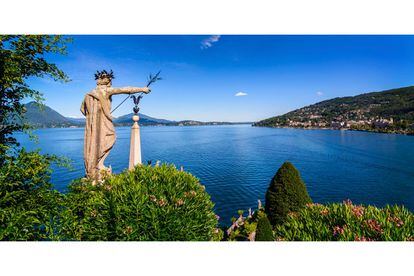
46 117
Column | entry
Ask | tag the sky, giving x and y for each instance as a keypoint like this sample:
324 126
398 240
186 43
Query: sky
230 77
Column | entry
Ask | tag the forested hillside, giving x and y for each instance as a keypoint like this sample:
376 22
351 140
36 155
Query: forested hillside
387 111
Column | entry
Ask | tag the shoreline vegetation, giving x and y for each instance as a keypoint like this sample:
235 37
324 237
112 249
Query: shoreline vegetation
383 131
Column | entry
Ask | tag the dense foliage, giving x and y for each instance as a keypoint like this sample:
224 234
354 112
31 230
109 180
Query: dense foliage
29 207
395 103
264 229
286 193
332 222
347 222
148 204
22 57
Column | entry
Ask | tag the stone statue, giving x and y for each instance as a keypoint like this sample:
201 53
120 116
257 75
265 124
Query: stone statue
99 129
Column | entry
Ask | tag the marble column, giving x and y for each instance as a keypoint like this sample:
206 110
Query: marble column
135 146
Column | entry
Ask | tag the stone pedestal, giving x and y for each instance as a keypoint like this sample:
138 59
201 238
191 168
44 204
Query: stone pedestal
135 146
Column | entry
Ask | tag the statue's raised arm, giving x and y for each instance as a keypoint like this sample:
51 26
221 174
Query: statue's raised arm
127 90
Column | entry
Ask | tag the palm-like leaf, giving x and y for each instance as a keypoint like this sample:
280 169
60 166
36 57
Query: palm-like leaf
152 79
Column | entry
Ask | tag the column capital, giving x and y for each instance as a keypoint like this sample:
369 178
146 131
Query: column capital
135 118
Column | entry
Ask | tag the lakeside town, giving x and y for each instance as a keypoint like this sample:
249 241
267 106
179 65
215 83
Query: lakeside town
387 111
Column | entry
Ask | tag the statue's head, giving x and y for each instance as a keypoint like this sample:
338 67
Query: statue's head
104 78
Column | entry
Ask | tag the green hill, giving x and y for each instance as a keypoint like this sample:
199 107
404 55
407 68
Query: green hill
385 111
45 116
143 120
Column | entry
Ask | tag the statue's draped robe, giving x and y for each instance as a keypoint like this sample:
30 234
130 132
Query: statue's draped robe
99 131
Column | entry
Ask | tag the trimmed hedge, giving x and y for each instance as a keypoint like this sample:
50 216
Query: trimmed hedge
146 204
286 193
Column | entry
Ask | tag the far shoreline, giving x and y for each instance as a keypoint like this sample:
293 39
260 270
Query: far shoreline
340 129
145 125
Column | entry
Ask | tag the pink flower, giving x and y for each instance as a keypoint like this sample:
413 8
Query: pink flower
396 220
358 211
217 217
190 194
179 202
162 202
337 231
374 225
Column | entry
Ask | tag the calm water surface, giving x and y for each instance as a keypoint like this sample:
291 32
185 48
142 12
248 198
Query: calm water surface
236 163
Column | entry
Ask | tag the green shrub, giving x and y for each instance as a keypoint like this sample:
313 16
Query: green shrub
29 207
286 193
146 204
264 229
347 222
242 228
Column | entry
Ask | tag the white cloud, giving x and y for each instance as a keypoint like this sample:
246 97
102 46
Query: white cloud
319 93
208 42
240 94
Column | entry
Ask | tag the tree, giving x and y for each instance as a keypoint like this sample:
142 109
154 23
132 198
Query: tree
22 57
264 229
28 204
286 193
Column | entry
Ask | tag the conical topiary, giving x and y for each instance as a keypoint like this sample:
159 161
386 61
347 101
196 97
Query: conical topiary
286 193
264 229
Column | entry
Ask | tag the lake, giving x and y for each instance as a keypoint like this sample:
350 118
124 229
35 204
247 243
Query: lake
237 162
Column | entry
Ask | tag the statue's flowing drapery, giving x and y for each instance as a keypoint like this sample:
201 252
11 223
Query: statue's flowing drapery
99 129
99 132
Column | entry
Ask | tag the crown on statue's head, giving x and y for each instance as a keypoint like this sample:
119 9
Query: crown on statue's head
104 75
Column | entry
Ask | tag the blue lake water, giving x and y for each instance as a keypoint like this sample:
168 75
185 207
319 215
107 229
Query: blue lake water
236 162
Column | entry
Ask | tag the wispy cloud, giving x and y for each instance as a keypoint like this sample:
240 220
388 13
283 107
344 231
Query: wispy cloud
208 42
319 93
240 94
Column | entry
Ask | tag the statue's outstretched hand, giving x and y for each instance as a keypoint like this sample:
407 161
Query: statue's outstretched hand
146 90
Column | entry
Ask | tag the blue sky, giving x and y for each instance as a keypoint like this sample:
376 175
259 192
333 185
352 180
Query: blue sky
231 78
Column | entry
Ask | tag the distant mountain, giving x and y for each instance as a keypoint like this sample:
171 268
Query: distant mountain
385 111
47 117
44 116
143 120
